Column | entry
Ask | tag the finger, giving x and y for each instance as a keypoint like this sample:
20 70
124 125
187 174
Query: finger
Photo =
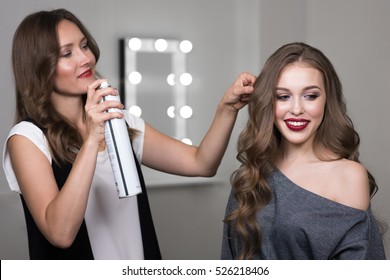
112 115
244 90
91 91
96 95
111 104
94 85
247 79
245 98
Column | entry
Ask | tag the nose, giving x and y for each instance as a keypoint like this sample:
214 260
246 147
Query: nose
84 57
297 107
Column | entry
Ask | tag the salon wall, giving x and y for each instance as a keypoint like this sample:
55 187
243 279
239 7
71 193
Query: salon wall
229 36
358 41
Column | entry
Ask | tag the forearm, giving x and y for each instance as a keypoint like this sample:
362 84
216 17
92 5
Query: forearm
65 213
214 144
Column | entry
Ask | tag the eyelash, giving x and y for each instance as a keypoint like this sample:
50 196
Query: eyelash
66 54
311 96
69 53
285 97
282 97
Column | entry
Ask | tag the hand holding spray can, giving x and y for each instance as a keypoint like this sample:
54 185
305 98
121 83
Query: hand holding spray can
121 153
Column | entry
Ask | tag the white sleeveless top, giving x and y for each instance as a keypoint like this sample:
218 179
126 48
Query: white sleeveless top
112 223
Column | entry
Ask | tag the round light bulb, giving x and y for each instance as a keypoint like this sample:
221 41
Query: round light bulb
186 112
185 79
161 45
185 46
135 110
135 44
171 112
171 79
135 78
187 141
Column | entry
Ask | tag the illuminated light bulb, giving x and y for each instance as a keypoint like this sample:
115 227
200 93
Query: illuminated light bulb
160 45
135 77
187 141
185 46
135 110
185 79
171 112
171 79
135 44
186 112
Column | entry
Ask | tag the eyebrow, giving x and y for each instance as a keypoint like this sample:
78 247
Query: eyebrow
305 88
71 44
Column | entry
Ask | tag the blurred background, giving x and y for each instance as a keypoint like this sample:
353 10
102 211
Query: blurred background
228 37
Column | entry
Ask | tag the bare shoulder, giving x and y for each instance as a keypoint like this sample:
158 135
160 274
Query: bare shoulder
351 184
35 171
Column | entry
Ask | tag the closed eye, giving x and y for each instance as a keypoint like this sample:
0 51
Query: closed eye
65 54
84 45
311 97
283 97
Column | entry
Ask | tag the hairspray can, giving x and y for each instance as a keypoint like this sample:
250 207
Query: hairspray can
121 153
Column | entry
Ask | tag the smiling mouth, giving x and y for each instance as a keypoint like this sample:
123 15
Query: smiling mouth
86 74
297 125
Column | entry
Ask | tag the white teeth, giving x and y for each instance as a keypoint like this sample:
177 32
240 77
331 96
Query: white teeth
296 123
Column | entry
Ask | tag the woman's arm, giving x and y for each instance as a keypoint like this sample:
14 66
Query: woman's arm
363 241
169 155
59 214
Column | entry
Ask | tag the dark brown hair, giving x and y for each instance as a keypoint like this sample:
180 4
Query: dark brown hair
35 53
260 139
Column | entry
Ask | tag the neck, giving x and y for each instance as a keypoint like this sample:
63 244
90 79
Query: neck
291 153
71 107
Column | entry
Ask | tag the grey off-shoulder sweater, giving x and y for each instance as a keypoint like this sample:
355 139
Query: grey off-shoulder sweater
298 224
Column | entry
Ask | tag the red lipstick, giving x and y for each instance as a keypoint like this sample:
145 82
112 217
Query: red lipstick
296 124
86 74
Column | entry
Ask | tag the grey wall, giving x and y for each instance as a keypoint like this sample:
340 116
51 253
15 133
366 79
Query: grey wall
358 41
229 36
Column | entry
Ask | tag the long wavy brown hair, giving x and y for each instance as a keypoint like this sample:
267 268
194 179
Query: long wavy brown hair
35 53
260 139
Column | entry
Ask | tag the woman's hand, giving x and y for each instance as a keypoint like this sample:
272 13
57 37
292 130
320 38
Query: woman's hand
238 94
96 110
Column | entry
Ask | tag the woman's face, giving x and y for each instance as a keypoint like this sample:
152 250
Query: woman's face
75 68
299 103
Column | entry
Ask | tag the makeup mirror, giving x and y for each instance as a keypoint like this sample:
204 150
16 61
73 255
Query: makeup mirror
154 82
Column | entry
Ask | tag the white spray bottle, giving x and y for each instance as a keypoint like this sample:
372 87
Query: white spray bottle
121 153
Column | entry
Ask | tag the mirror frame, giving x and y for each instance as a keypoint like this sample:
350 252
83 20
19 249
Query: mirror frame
128 64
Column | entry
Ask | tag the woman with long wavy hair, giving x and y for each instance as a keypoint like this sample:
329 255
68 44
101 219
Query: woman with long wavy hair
300 191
